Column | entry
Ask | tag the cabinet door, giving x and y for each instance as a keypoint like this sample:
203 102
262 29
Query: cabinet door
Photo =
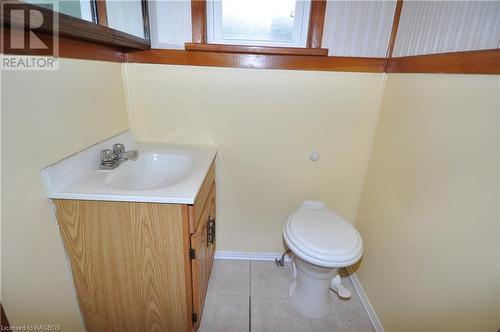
199 266
128 264
211 228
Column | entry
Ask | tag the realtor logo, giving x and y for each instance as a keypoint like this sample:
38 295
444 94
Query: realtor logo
29 36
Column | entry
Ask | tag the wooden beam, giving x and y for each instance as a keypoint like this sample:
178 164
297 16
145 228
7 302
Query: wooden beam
316 23
199 21
470 62
258 61
255 49
102 12
394 31
70 48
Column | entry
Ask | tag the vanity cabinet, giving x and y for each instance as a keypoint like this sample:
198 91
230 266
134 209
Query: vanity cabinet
140 266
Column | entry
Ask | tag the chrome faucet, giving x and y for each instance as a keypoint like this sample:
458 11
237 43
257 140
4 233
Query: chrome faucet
111 159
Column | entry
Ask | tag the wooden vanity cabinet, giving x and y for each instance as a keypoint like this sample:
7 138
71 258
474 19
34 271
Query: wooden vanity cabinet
140 266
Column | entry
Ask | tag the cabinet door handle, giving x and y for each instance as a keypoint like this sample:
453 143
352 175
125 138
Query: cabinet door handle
210 231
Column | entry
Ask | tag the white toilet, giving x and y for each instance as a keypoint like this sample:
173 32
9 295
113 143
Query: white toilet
322 242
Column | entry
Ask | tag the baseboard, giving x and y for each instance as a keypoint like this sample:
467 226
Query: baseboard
364 300
253 256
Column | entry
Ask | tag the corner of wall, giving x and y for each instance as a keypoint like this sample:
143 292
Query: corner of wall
369 146
128 98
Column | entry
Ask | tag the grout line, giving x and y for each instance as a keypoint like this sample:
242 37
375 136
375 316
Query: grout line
250 278
250 299
249 313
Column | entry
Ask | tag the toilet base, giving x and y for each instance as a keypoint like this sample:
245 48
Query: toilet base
309 293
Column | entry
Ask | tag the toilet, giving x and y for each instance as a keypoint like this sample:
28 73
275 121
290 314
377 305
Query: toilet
322 242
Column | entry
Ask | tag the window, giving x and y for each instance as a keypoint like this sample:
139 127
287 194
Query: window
126 16
80 9
258 22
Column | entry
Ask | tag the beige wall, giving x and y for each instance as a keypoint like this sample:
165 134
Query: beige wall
47 116
265 123
429 210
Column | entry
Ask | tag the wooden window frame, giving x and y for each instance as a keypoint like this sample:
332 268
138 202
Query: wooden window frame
101 12
199 21
313 40
316 23
394 30
76 28
313 57
85 40
255 49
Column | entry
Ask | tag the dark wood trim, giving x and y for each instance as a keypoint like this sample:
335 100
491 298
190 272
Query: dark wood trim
470 62
80 29
316 23
395 26
145 19
102 12
4 321
73 48
199 21
259 61
255 49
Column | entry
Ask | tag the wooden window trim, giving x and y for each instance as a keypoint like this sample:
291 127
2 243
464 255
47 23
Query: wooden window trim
116 46
394 30
77 28
316 24
102 12
468 62
255 49
257 61
199 21
314 36
73 48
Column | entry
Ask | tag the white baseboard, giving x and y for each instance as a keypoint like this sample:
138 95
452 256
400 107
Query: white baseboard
253 256
364 300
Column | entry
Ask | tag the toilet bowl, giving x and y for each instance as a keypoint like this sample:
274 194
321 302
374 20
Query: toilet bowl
322 242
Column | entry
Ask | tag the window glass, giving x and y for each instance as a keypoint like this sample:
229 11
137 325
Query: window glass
258 22
126 16
80 9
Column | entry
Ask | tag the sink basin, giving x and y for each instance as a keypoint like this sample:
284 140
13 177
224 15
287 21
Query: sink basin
152 170
163 173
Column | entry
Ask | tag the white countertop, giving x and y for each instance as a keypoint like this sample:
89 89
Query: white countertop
79 177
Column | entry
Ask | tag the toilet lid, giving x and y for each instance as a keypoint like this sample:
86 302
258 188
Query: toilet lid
323 236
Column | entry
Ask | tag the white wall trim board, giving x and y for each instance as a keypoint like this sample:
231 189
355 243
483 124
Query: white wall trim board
253 256
369 147
128 99
377 325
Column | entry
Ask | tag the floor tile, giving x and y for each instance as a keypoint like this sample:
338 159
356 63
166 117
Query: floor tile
276 315
269 280
233 281
230 277
225 313
346 315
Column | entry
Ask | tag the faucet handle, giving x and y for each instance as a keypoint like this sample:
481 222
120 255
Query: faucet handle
106 155
118 148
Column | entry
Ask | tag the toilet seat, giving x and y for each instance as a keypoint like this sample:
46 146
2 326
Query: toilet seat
322 237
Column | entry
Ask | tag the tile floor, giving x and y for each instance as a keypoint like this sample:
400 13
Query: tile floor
246 296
